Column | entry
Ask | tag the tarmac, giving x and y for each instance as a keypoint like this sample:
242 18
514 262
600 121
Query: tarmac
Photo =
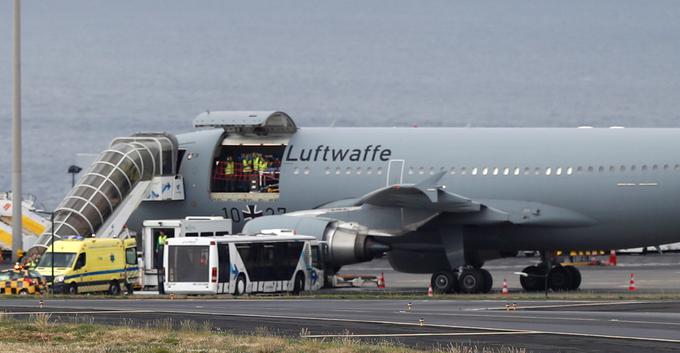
536 325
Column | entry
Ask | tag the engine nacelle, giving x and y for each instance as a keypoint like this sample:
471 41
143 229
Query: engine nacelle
348 243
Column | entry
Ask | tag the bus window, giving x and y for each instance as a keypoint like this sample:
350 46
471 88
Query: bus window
316 257
223 262
220 234
191 234
207 234
189 263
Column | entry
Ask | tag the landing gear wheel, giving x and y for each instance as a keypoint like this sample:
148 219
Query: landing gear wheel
299 284
444 282
559 279
535 281
488 281
72 289
472 281
114 288
575 277
240 285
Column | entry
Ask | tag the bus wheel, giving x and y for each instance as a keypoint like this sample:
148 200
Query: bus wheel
240 285
114 288
299 284
72 289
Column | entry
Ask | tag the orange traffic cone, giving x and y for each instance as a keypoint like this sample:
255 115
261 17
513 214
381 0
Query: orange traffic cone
612 258
429 291
631 283
504 291
381 280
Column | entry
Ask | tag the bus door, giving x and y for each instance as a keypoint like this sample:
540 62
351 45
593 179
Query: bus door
156 248
318 261
223 267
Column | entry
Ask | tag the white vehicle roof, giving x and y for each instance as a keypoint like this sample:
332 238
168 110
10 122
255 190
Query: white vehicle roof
178 222
239 238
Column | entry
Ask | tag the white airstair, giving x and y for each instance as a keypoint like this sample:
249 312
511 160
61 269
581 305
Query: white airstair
133 169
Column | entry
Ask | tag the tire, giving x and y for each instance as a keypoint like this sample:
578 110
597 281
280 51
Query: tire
299 284
129 288
471 281
560 279
240 286
72 289
444 282
23 292
535 281
488 281
114 288
575 277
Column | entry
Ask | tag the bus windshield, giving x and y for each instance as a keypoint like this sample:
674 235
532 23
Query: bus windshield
61 259
188 263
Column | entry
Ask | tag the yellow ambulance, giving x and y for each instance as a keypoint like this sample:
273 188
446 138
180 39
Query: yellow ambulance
91 265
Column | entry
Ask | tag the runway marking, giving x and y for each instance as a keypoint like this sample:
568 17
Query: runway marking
426 334
633 338
565 305
77 312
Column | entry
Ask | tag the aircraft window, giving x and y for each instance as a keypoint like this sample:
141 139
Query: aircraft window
453 171
506 171
537 171
337 170
632 167
548 171
516 171
348 171
296 170
474 171
369 171
526 171
665 167
246 168
306 170
558 171
655 167
644 168
623 168
410 170
358 170
612 168
431 170
485 171
379 171
570 170
579 169
328 170
421 170
495 171
677 167
463 171
600 169
590 168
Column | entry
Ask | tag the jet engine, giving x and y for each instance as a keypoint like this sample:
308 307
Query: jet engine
348 243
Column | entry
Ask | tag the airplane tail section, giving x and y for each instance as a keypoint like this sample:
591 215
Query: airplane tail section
125 174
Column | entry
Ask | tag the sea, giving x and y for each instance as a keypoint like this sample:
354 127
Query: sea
94 70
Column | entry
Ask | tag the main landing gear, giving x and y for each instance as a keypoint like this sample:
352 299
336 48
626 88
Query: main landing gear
469 280
560 278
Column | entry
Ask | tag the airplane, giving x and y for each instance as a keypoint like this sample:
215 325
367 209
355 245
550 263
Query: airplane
440 201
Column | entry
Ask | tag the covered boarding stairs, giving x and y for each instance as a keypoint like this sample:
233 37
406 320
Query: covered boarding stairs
132 169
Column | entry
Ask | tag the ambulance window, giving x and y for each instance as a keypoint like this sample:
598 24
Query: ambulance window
207 234
191 234
131 256
80 263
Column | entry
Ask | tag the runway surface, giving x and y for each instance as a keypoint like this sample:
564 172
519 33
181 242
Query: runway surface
538 326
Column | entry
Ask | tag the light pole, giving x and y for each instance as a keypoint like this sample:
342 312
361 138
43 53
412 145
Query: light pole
17 229
52 235
73 170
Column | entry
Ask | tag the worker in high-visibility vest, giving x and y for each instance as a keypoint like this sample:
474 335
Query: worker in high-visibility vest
229 170
160 271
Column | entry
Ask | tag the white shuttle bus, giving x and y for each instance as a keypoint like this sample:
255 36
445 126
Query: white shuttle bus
239 264
175 228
